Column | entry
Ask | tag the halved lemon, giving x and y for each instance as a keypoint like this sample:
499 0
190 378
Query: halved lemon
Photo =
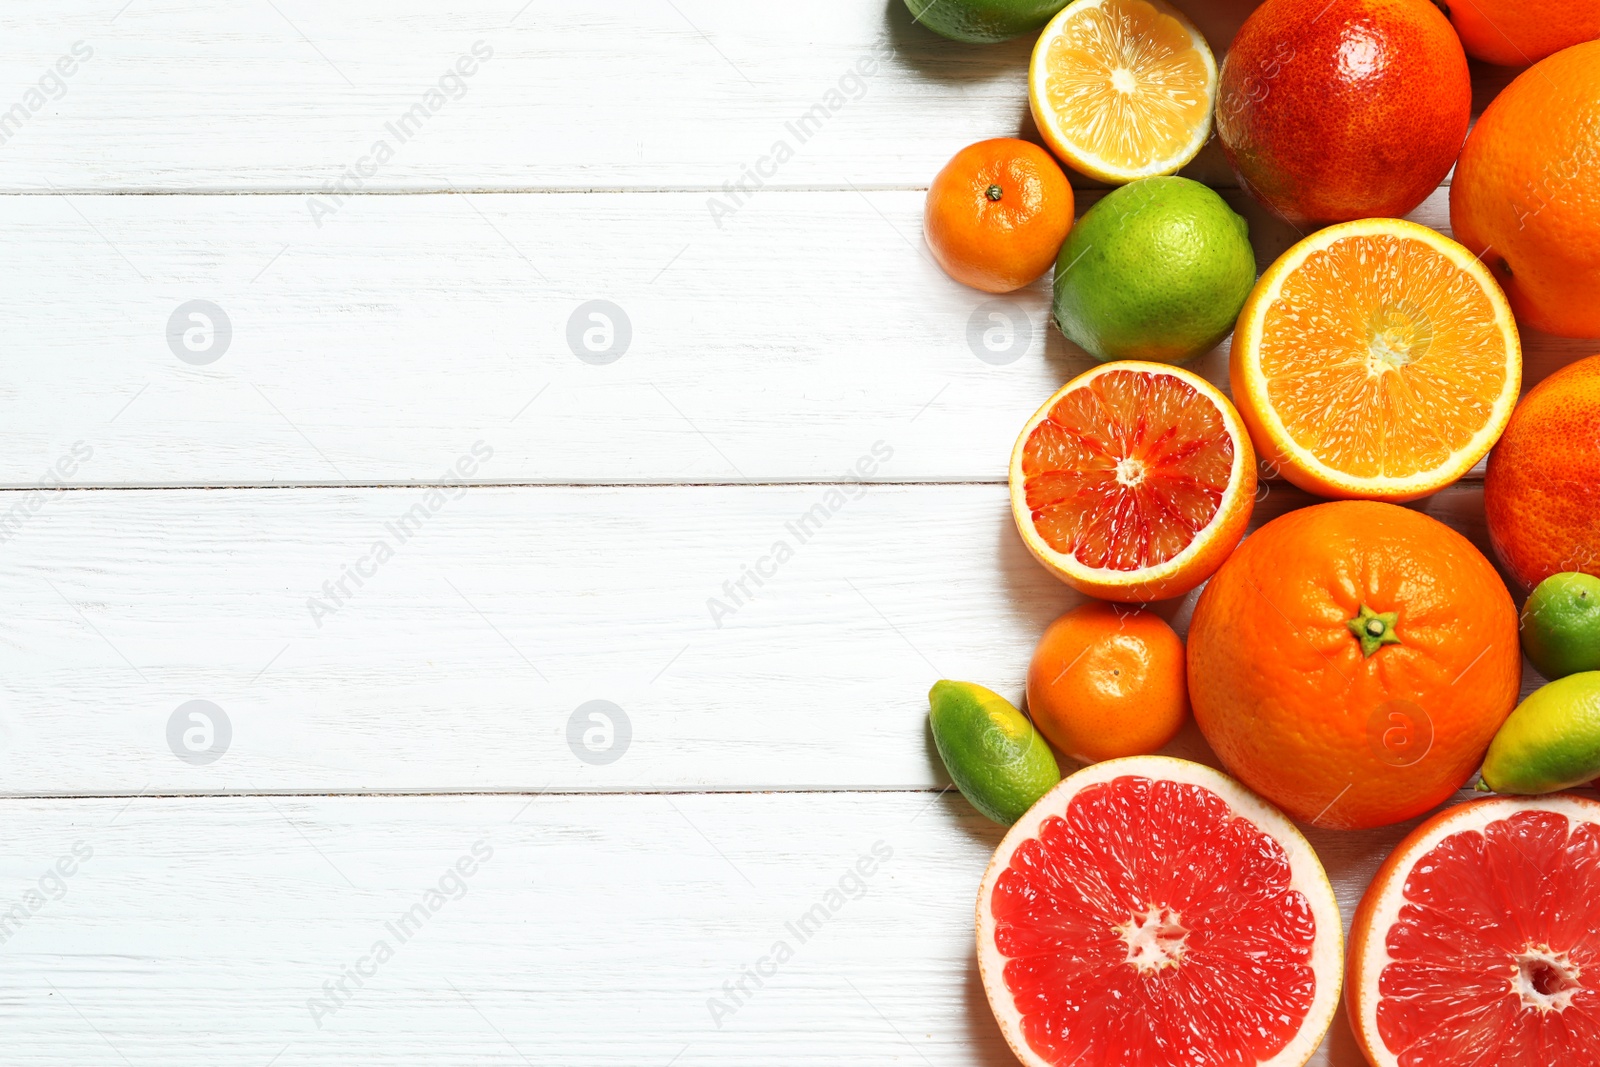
1375 359
1134 482
1123 89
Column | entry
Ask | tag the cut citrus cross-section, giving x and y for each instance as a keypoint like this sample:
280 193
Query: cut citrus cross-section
1122 89
1134 482
1375 359
1153 911
1477 941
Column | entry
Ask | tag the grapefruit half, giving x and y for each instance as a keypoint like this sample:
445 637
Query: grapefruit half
1153 911
1479 940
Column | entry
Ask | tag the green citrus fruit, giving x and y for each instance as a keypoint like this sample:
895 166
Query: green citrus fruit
1561 625
983 21
1157 270
994 755
1552 740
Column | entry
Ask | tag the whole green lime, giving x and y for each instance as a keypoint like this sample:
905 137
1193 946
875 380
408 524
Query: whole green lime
994 755
1561 625
1157 270
1551 741
984 21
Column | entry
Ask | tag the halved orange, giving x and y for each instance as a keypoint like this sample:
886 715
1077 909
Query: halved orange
1134 482
1375 359
1123 89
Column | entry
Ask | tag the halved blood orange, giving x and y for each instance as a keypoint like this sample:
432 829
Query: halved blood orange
1152 911
1134 482
1375 359
1478 943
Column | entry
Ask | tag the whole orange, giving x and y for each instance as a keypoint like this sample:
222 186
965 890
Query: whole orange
1514 33
1352 661
1108 681
1331 110
997 214
1526 194
1542 490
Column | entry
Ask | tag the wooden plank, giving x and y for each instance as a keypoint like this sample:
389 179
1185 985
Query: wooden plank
590 929
398 640
377 348
628 94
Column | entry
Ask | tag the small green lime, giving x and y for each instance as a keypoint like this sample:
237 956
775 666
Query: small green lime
1158 270
983 21
1561 625
1551 741
994 755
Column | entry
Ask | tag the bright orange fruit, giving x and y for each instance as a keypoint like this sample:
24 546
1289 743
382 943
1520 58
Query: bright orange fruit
1542 490
1515 33
1526 192
1108 681
1133 482
1375 359
997 213
1352 661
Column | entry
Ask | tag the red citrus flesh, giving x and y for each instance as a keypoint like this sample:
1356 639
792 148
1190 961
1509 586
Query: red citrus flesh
1495 957
1126 470
1151 924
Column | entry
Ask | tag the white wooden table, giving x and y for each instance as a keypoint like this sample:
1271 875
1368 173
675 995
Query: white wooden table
396 744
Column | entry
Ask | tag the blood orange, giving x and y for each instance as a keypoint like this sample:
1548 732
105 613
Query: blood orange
1133 482
1153 911
1478 943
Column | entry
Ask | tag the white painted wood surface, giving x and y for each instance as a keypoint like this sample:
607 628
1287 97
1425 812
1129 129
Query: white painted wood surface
376 349
375 341
624 94
598 930
457 663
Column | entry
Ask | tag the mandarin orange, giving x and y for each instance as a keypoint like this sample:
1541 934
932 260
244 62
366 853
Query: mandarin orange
1107 681
997 214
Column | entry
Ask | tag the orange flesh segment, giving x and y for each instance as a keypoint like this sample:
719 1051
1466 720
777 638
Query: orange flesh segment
1127 469
1126 84
1495 958
1382 357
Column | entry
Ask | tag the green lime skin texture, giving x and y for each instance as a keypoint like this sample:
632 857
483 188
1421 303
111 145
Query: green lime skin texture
1561 625
1158 270
1551 741
984 21
994 755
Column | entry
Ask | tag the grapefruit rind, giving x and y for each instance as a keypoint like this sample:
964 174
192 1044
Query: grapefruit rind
1267 428
1307 876
1379 909
1199 559
1081 158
